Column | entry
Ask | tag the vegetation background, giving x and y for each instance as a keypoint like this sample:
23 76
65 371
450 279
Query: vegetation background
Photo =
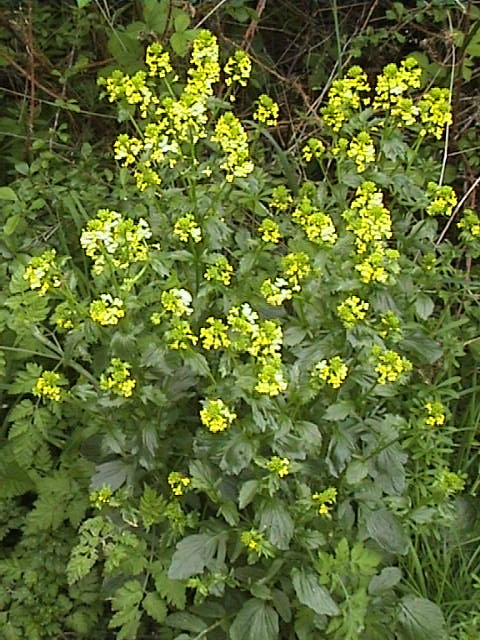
57 169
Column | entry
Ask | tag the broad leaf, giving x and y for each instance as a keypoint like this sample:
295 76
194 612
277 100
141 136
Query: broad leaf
277 523
193 554
387 531
256 620
419 619
312 594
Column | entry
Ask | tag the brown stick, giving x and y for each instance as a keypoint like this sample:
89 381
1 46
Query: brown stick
252 27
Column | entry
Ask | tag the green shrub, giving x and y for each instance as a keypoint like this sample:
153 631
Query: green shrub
247 367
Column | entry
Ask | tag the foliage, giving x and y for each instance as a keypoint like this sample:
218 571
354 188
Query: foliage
239 392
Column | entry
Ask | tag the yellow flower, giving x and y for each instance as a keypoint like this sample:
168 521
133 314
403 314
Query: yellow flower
389 365
47 386
186 228
325 500
333 371
232 139
178 483
435 414
107 310
42 273
216 416
266 112
279 466
216 335
352 311
237 69
220 271
177 302
313 149
270 380
117 378
180 337
275 293
270 231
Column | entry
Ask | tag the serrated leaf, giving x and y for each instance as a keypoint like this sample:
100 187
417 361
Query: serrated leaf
277 524
387 531
126 603
420 618
173 591
339 411
312 594
255 620
110 474
193 554
14 480
155 607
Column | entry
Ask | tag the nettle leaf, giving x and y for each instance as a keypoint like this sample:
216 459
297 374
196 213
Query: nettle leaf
277 523
312 594
420 618
193 554
387 531
110 474
238 453
255 620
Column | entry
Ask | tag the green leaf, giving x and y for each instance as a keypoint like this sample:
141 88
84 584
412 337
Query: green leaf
155 607
255 620
420 618
186 621
247 493
181 21
387 531
12 223
126 603
238 453
277 523
424 306
173 591
14 481
6 193
110 474
339 410
193 554
155 15
386 580
83 3
312 594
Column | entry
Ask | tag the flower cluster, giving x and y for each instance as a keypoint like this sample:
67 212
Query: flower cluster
101 498
270 231
178 482
180 336
449 482
435 415
325 501
279 466
333 372
186 227
281 198
346 96
177 302
232 139
237 69
392 85
220 271
215 336
296 267
48 386
318 226
435 112
313 149
360 149
216 416
158 60
132 90
275 293
42 272
117 378
389 365
390 326
352 311
256 542
64 316
469 225
110 238
371 224
107 310
266 112
443 200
